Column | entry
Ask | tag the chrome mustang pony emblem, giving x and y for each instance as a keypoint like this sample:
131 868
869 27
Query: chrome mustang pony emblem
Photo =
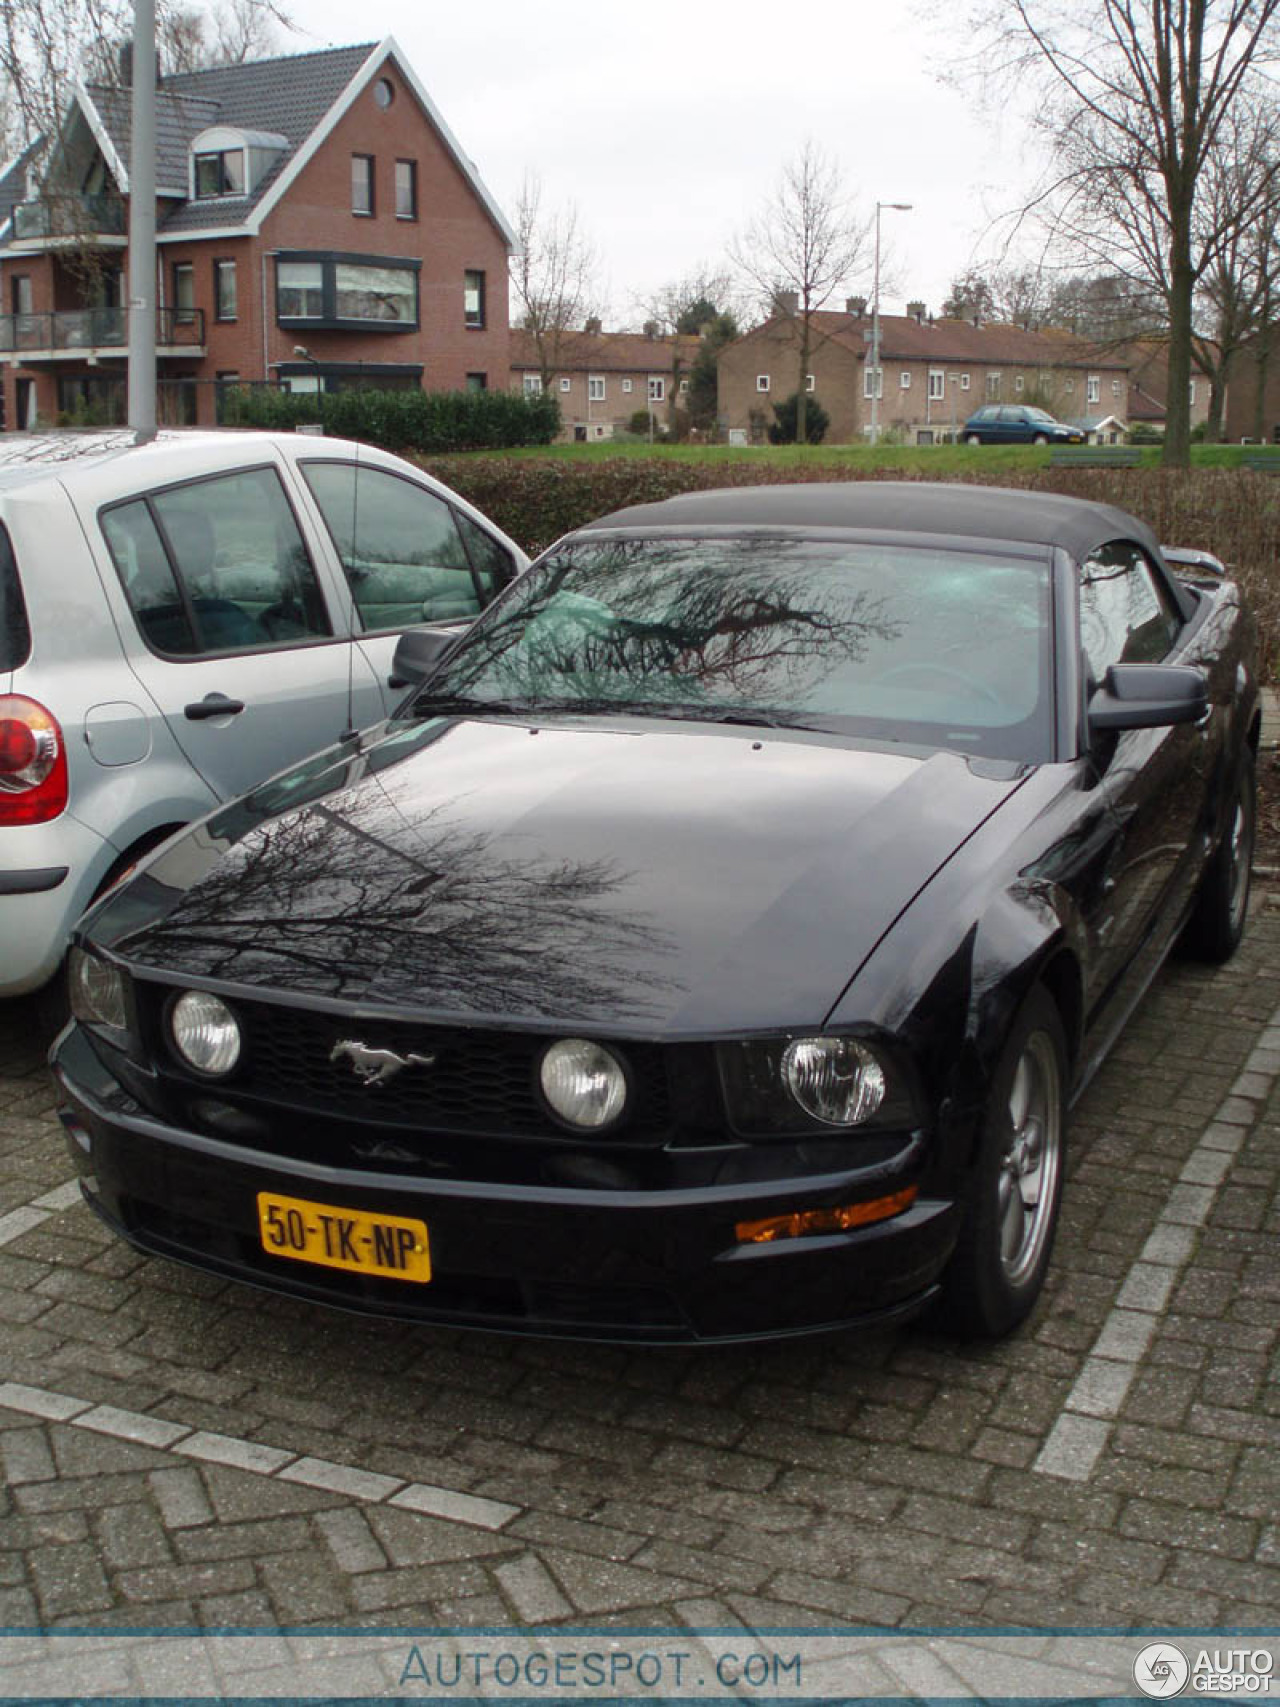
376 1066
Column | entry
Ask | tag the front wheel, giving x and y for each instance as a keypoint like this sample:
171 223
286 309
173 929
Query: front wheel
1217 921
1040 439
973 439
1015 1187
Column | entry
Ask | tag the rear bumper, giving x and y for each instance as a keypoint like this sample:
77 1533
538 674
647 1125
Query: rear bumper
48 875
661 1267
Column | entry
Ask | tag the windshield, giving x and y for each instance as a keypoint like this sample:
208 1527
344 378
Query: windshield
894 642
1039 415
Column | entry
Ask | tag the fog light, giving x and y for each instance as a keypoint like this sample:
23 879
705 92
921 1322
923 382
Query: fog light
811 1221
584 1084
205 1033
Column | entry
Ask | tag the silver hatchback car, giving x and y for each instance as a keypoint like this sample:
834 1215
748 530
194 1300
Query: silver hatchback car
181 619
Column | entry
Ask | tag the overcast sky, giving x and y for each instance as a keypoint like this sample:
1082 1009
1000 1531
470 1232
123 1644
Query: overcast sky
667 123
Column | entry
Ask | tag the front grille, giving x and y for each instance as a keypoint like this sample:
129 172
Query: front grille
479 1081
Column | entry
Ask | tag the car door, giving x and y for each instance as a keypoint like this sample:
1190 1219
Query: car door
232 635
410 557
1154 781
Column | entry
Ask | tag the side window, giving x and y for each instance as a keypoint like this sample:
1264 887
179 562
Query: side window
399 545
493 563
217 566
1125 615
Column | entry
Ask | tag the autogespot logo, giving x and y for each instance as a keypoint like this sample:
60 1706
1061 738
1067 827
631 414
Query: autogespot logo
1161 1669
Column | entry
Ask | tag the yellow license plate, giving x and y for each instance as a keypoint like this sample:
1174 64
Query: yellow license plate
388 1245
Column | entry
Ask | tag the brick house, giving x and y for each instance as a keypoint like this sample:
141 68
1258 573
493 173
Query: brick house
1148 363
317 226
933 373
602 379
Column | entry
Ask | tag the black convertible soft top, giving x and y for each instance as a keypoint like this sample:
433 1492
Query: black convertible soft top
905 506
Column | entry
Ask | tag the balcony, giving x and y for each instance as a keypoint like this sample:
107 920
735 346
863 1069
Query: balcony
69 220
93 332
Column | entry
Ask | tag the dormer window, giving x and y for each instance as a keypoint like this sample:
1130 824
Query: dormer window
228 161
220 174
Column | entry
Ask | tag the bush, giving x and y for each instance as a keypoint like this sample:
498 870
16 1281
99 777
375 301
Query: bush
816 421
424 421
1142 434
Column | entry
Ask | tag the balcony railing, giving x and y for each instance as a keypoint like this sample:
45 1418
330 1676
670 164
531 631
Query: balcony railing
96 329
72 217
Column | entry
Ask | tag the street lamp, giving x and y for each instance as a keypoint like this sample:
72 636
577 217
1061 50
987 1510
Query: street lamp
896 207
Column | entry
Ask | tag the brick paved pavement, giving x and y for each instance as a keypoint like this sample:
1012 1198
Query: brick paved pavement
175 1450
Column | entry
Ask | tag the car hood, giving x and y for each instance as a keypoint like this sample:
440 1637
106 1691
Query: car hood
657 879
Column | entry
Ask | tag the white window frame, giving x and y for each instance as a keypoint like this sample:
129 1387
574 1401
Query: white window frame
1093 389
904 380
762 382
566 385
1115 388
1017 384
994 386
937 385
531 384
1071 387
595 388
868 382
1191 398
626 387
964 382
657 388
810 382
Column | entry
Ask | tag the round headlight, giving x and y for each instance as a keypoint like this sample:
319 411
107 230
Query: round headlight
205 1033
96 991
835 1079
583 1083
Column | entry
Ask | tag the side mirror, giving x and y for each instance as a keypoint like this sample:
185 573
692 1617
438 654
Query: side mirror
1148 696
418 652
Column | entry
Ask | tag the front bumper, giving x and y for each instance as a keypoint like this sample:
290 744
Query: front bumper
662 1267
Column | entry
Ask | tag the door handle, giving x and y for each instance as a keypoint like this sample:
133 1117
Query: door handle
212 705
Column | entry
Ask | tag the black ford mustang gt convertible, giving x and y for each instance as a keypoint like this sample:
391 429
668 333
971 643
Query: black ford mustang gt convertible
713 944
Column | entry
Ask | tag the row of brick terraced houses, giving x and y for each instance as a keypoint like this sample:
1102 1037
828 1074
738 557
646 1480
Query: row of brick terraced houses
318 226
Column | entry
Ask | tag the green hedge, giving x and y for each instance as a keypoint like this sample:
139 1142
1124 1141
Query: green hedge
1233 513
422 421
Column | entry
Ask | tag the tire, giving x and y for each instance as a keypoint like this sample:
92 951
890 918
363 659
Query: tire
973 439
1040 439
1217 921
1011 1204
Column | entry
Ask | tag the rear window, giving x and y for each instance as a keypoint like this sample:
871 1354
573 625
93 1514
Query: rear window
15 630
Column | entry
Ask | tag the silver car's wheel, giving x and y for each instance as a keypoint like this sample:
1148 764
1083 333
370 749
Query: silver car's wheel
1010 1203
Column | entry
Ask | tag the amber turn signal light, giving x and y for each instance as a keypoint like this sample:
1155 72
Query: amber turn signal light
804 1221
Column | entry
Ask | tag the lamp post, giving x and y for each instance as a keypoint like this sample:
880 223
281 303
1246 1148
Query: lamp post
304 354
896 207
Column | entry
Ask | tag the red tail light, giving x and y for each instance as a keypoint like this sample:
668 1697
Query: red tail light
33 762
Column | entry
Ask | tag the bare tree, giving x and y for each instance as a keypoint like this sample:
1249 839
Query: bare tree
46 44
1133 97
802 245
1236 284
553 275
687 304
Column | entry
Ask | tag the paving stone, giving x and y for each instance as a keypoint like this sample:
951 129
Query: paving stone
132 1535
532 1591
69 1580
354 1546
181 1498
